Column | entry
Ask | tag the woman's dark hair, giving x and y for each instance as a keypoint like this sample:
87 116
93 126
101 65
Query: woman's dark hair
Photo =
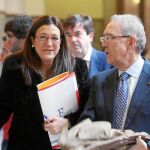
32 62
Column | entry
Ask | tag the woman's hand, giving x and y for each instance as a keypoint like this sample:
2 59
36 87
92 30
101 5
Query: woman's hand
54 125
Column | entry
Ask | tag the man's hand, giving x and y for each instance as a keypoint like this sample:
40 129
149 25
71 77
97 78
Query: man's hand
140 145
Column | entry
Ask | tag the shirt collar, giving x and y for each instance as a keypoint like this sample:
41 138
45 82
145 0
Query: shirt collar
87 57
135 69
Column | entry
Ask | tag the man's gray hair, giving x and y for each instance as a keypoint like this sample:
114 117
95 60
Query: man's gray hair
132 25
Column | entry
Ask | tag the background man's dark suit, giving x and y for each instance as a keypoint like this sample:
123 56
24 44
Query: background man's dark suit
98 62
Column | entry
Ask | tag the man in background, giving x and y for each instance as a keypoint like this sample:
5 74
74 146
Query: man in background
16 30
79 34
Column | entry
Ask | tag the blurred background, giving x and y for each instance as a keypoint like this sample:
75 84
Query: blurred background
99 10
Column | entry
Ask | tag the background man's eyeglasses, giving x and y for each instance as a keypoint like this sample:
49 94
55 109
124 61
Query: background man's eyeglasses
6 37
110 37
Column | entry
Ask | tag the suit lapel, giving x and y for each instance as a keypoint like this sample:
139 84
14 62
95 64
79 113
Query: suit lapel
109 93
139 94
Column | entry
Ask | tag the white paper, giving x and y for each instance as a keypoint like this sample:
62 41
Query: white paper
59 100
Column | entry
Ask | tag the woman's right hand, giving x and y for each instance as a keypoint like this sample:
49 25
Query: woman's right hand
54 125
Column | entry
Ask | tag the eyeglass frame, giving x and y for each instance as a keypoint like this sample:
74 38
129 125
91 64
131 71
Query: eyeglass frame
48 37
7 37
110 37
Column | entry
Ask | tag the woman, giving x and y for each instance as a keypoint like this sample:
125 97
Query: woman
43 56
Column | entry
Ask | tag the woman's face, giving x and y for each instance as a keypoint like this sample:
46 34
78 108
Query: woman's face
47 43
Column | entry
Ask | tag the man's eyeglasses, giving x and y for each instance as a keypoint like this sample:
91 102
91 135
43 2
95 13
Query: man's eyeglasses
7 37
4 38
44 38
111 37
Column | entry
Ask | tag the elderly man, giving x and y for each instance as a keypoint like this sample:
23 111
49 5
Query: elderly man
121 95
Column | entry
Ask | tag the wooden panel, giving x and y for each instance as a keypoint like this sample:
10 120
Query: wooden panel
98 31
63 8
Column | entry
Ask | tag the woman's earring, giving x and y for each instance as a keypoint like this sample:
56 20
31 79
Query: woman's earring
32 46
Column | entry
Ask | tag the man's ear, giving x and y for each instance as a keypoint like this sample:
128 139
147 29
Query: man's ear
91 36
132 41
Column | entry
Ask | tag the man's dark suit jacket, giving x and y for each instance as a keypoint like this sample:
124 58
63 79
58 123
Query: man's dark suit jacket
98 63
100 106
